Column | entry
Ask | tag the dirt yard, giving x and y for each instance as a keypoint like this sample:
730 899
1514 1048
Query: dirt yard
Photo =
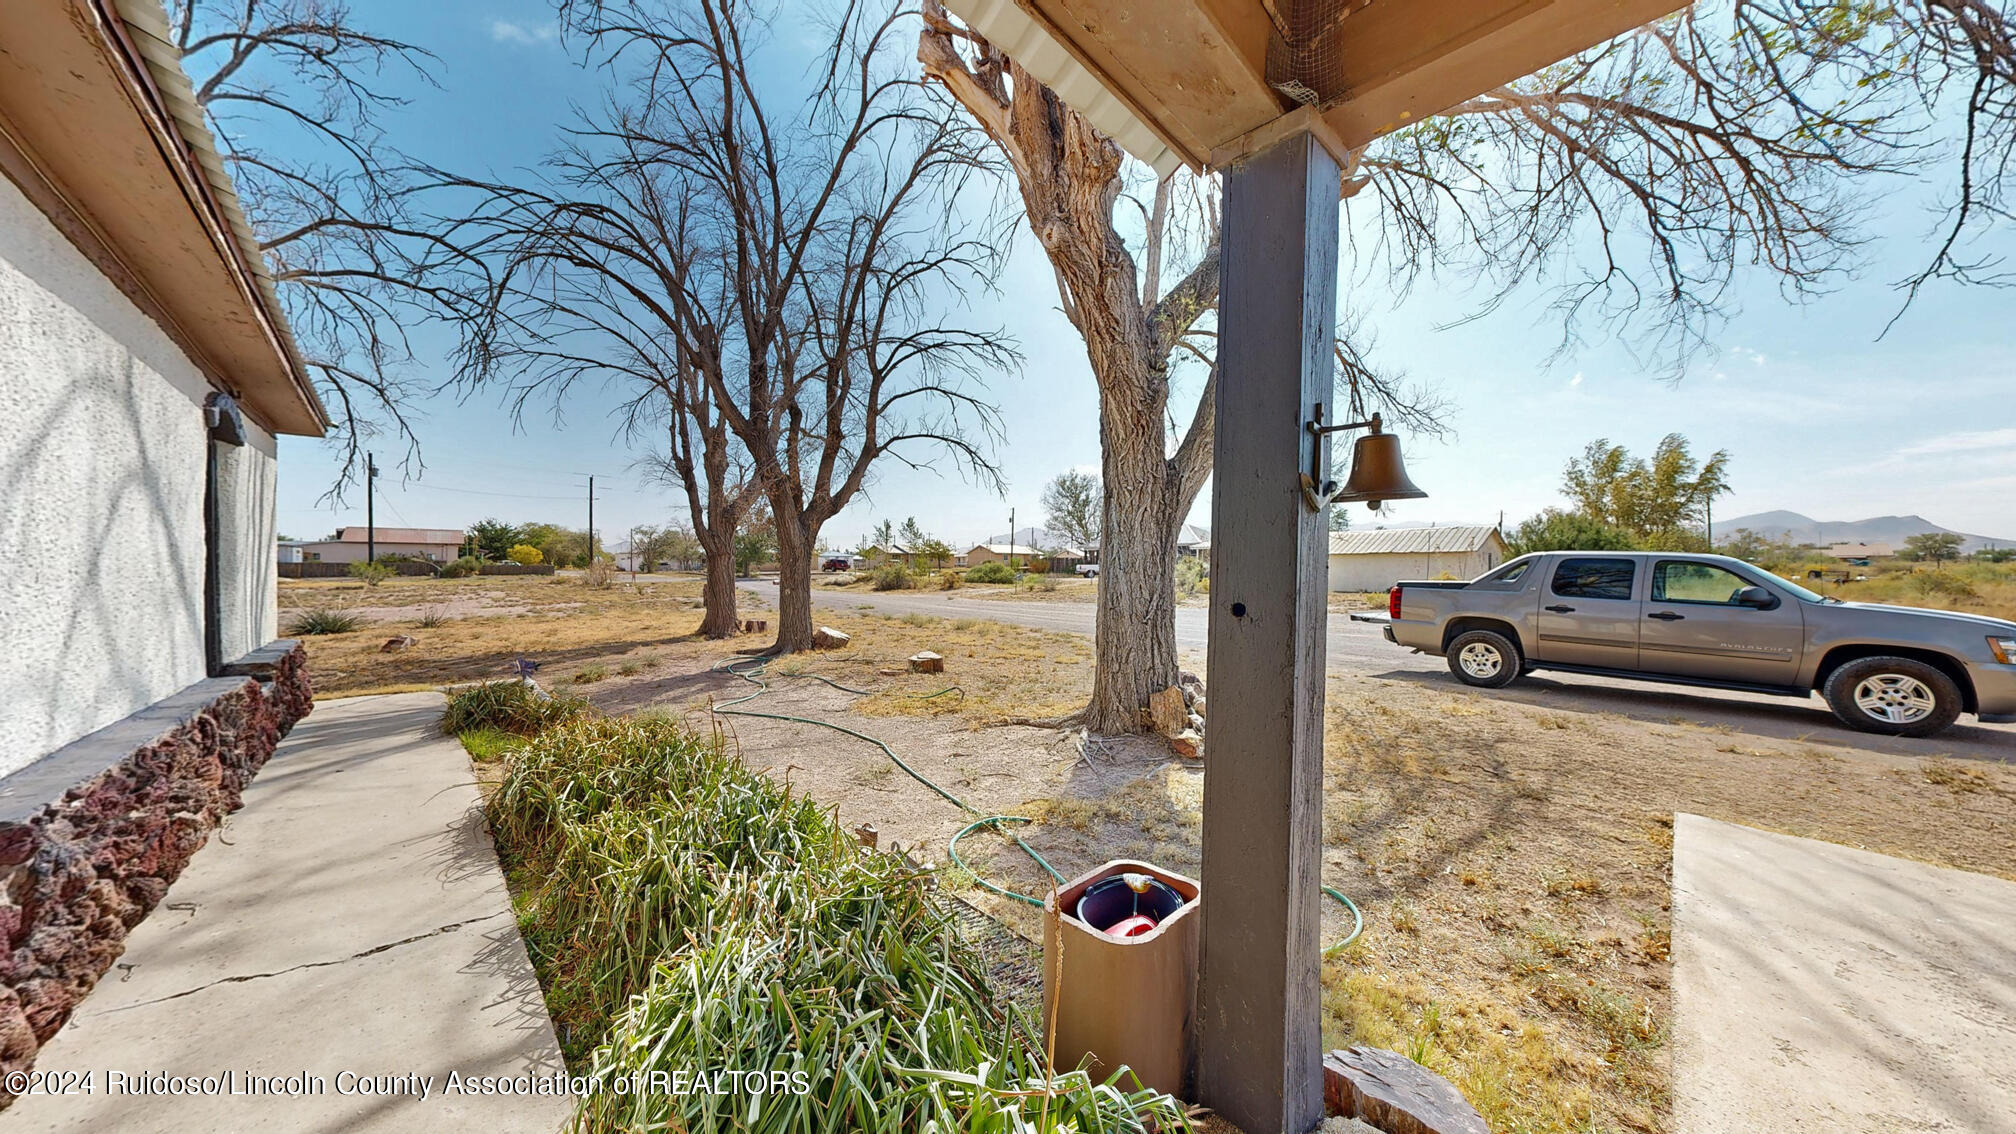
1512 859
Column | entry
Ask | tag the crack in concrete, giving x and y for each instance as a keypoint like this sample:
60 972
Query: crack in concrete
452 927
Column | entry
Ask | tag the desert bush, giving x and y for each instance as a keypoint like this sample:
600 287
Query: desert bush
323 622
993 571
462 568
371 574
1044 583
526 555
948 580
601 573
1941 584
1038 567
892 577
1190 574
432 617
510 706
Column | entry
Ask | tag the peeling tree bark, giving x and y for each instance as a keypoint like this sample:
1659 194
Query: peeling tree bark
1069 175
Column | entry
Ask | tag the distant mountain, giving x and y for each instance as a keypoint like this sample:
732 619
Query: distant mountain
1894 530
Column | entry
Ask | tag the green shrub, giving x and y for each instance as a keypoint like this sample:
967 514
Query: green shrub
1190 575
462 568
892 577
371 573
525 555
432 617
1941 584
948 580
682 909
992 571
510 706
1043 583
323 622
487 743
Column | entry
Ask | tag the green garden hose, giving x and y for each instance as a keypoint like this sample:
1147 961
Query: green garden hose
755 669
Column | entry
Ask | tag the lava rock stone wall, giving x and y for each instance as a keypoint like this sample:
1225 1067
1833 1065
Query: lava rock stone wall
80 873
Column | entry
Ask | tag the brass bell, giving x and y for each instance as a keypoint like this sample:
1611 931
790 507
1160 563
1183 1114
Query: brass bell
1377 474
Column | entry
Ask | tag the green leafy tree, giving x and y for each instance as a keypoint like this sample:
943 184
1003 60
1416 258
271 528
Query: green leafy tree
883 536
526 555
1666 494
1932 547
1558 530
1996 554
1751 547
493 539
1073 504
911 533
932 550
753 545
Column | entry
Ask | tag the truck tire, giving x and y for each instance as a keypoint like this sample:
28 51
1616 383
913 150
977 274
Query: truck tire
1892 696
1485 658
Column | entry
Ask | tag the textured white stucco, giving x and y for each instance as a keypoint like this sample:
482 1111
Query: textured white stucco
102 455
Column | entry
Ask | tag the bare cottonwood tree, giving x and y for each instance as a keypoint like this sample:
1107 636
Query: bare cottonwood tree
586 278
1704 142
293 90
779 264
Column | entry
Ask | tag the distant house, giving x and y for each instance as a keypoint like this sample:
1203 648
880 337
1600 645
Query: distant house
1375 560
1193 540
1859 551
997 553
874 555
437 545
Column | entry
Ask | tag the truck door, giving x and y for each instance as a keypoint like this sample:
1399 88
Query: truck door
1696 626
1589 613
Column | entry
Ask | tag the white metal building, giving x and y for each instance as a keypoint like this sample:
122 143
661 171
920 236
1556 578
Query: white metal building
1375 560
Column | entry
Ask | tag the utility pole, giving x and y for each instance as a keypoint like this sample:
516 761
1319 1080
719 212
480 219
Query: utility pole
1011 537
591 518
370 508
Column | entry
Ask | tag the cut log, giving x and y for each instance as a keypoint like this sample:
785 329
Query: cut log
1167 712
1395 1094
1188 744
925 661
827 638
402 642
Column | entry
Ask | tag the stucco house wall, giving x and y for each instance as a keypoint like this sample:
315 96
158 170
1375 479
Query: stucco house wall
102 452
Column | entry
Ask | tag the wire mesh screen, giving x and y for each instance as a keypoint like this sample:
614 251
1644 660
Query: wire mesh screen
1305 62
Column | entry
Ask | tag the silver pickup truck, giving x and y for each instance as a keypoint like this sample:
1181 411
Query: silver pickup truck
1709 620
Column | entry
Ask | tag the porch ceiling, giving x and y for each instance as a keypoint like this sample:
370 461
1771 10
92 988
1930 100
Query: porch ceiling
1176 82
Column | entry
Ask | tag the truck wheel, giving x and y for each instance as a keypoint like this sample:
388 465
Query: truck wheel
1893 696
1484 658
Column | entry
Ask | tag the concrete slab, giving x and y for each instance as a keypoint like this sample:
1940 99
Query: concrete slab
1821 988
351 920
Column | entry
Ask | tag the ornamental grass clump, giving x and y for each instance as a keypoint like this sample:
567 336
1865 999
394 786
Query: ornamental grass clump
509 706
688 915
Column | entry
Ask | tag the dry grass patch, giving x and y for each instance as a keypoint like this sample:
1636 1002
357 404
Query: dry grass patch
1000 671
481 625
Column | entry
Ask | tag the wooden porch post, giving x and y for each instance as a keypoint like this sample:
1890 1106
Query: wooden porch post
1259 1052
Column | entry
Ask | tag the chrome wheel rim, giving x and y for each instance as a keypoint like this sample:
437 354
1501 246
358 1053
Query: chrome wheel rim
1480 660
1895 698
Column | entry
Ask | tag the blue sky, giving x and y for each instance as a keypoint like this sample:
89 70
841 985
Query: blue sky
1819 415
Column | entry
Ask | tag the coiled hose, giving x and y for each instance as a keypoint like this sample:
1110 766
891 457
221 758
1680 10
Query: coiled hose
755 671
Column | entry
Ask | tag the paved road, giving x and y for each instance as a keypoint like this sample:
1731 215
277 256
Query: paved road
1357 649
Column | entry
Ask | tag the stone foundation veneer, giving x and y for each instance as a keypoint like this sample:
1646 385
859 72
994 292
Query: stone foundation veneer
92 835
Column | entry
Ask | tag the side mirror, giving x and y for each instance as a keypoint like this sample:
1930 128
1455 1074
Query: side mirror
1756 598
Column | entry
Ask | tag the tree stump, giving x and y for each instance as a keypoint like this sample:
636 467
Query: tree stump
827 638
1395 1094
1167 712
926 662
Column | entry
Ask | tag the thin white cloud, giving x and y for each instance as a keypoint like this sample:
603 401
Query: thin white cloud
1577 380
1963 442
504 31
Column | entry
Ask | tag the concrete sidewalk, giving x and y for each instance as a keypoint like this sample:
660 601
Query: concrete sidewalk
349 928
1821 988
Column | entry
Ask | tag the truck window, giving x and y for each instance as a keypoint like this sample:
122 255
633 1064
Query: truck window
1676 580
1595 578
1510 573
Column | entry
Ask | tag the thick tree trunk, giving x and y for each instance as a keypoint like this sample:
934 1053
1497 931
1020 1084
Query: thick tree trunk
794 587
1136 626
718 593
